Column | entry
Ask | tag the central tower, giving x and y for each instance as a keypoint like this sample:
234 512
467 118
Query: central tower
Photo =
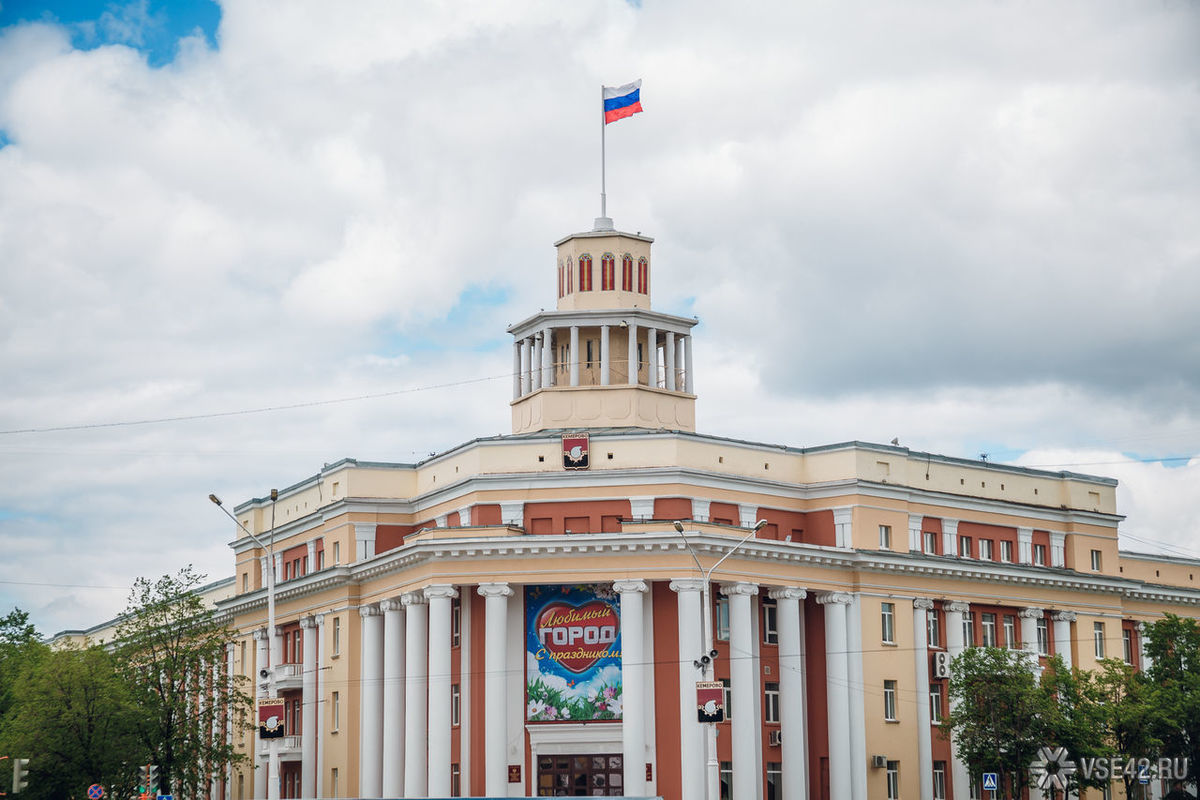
603 358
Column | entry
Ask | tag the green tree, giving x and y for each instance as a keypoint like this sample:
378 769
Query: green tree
1173 644
74 717
1130 720
1076 720
172 653
19 644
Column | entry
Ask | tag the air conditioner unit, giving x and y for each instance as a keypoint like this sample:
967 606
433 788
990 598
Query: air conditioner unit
941 664
879 761
775 738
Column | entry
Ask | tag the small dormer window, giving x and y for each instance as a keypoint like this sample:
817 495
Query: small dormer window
643 277
608 273
585 273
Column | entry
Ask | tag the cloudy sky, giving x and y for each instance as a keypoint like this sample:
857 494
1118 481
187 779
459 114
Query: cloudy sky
972 226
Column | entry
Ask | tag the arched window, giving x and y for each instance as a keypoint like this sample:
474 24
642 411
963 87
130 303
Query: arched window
585 273
643 276
608 273
560 279
570 272
627 273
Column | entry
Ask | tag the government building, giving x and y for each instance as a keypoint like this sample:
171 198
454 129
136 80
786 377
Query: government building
530 614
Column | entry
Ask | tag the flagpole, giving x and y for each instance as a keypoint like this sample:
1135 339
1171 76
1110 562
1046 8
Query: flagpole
603 125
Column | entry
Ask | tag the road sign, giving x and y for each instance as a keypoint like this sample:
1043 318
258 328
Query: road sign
990 781
95 792
166 797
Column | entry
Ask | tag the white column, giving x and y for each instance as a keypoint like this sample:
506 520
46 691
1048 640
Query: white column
1145 662
679 368
949 537
837 691
308 726
1062 634
633 683
312 556
370 770
921 608
960 778
393 697
548 357
516 370
604 359
536 362
794 747
320 791
669 353
689 383
633 355
691 734
260 663
1029 642
526 365
278 569
495 657
440 598
574 356
1025 545
416 738
742 668
915 544
652 356
747 515
858 712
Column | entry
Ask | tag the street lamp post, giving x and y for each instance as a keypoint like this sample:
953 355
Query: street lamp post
273 656
705 662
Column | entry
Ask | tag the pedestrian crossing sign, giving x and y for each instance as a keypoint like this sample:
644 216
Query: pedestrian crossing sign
989 781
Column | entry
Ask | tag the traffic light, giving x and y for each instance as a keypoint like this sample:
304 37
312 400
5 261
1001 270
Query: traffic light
20 774
152 779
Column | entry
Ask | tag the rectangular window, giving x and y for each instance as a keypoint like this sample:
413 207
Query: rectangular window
939 780
455 781
893 780
455 622
589 352
771 702
726 780
988 623
985 550
888 613
337 636
1006 552
723 619
770 625
245 582
933 628
1098 638
1043 637
774 780
335 707
1039 555
1127 645
889 701
930 542
964 546
337 552
320 559
935 703
885 537
333 781
968 629
1010 631
727 690
1096 560
455 705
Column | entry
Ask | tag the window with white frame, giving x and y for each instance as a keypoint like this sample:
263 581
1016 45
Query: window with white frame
337 552
337 636
930 539
1039 555
1043 637
1010 631
726 769
770 626
774 780
964 546
1098 638
333 781
1096 560
987 622
933 629
1006 551
893 780
455 622
935 703
985 549
1127 645
888 621
889 701
727 691
335 712
885 537
455 705
723 619
939 780
969 629
771 702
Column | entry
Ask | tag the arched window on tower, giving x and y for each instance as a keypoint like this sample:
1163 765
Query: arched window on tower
560 279
627 273
643 276
569 272
608 273
585 273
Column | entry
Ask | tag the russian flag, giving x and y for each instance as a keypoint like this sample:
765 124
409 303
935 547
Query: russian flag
622 101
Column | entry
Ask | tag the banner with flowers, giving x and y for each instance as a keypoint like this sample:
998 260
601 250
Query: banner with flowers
573 653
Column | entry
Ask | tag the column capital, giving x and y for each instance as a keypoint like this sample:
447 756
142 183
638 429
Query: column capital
494 590
391 604
630 586
956 606
368 611
440 590
787 593
950 526
923 604
686 585
1031 613
308 623
320 618
259 634
835 598
741 587
1064 616
412 599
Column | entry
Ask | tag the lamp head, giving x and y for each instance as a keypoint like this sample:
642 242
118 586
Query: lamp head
758 526
216 500
678 526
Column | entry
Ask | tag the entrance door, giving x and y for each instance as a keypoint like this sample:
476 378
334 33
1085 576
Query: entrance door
580 776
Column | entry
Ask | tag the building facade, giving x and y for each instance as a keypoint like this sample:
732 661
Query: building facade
521 615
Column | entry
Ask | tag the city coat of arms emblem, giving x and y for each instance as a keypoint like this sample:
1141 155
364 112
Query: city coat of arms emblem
575 451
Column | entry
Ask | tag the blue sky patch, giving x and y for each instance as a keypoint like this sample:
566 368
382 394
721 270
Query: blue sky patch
153 27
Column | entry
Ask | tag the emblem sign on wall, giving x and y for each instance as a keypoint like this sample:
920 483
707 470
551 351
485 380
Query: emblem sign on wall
573 653
270 718
575 450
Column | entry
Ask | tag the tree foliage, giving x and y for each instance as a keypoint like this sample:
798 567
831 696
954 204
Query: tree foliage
172 653
1173 644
